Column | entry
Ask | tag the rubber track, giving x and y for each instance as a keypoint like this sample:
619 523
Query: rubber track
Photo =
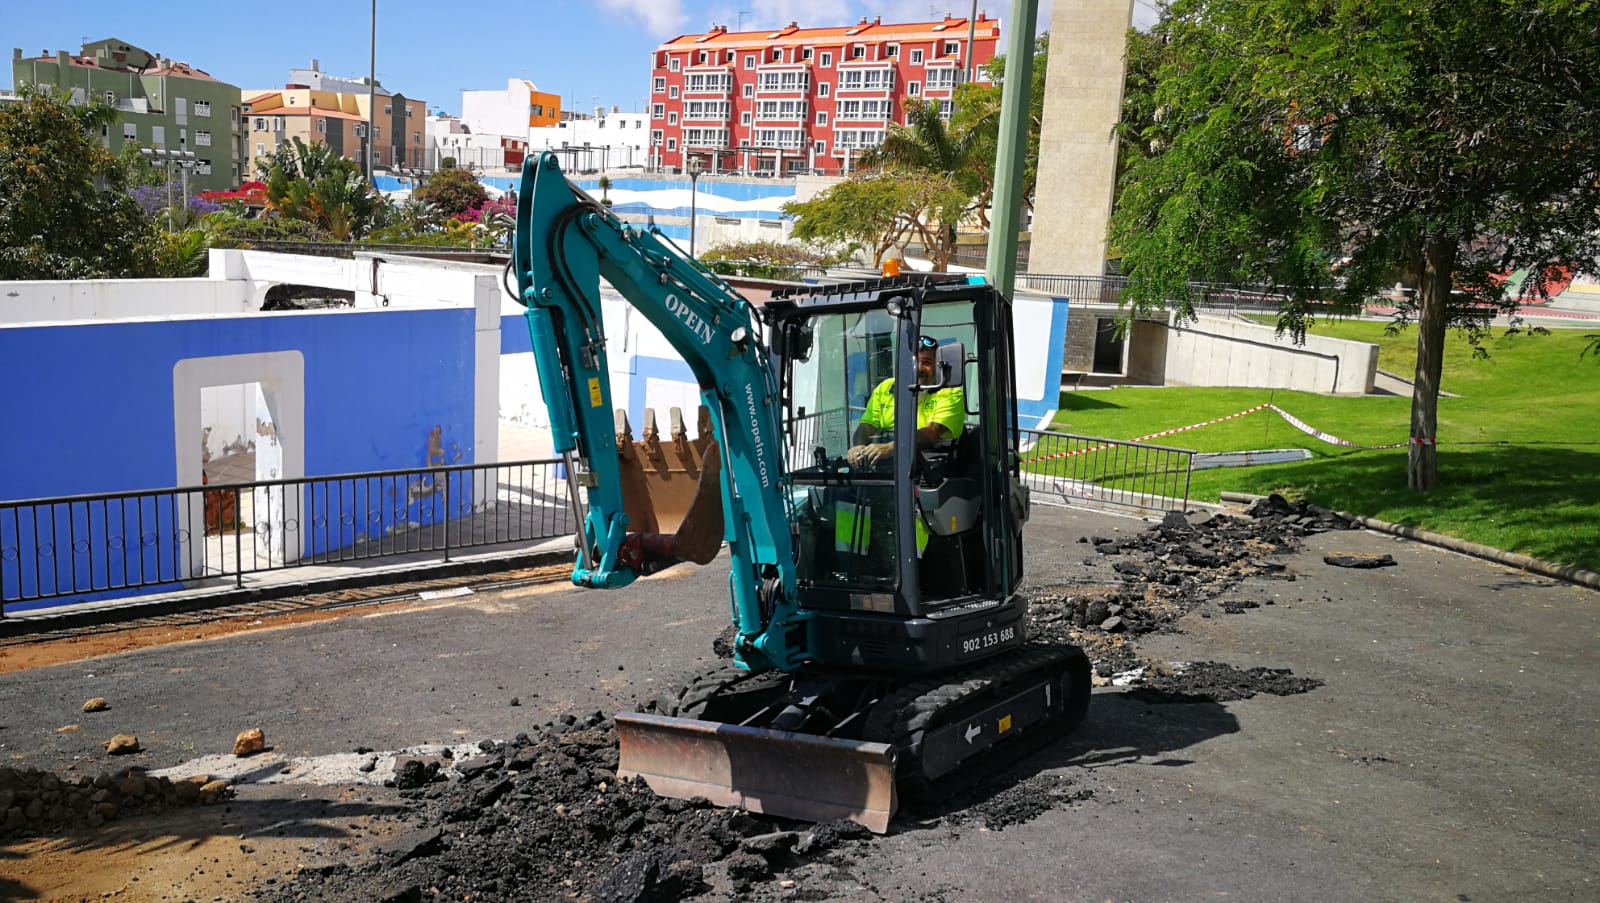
689 700
904 715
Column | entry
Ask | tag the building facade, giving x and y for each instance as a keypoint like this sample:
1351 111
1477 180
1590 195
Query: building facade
450 138
512 112
335 115
802 99
613 140
192 120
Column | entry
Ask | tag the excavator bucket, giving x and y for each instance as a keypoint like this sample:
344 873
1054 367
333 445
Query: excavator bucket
799 776
659 479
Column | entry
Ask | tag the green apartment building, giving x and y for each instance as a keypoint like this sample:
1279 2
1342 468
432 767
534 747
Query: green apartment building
163 104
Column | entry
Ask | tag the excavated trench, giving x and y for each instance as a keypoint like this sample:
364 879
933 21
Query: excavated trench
542 816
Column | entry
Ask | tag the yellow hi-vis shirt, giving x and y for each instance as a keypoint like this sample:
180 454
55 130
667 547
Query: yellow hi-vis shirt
946 406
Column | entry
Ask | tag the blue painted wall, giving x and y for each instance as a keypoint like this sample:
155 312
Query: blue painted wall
93 408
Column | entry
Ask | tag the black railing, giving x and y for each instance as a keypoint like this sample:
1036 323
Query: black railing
90 547
1083 470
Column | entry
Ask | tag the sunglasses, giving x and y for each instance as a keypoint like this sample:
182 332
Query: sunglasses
927 341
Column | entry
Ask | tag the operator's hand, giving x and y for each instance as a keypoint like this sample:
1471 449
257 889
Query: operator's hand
870 455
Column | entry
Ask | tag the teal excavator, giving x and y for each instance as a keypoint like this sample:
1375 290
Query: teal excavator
879 642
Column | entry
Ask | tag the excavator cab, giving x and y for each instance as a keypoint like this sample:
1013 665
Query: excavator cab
899 443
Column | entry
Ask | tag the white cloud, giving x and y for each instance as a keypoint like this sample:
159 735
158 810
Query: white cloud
664 19
805 13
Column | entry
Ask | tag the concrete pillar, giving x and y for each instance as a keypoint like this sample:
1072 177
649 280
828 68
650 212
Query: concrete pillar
1077 143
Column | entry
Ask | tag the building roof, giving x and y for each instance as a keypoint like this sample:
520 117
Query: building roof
874 29
164 67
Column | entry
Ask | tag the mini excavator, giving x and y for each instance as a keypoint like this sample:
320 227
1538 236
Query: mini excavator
879 642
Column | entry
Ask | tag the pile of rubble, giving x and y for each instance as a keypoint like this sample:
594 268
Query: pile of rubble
544 817
38 802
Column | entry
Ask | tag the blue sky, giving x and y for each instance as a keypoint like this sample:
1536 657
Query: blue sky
594 51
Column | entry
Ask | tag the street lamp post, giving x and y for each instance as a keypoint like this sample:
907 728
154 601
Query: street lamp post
694 197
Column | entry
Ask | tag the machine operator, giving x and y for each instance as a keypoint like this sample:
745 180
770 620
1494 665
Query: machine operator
941 414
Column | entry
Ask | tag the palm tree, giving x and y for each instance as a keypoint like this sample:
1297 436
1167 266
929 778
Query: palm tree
927 145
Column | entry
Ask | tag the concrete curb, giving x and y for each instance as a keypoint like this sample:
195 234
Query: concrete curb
116 612
1566 572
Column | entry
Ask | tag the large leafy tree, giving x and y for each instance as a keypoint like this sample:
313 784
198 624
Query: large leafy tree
1435 141
64 213
977 119
313 183
882 211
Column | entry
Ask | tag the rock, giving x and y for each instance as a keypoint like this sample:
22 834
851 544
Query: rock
1113 625
1360 561
249 742
97 704
122 745
411 845
748 867
213 789
67 729
470 768
410 773
770 844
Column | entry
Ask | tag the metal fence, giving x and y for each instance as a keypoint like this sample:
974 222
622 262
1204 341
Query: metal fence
89 547
1068 469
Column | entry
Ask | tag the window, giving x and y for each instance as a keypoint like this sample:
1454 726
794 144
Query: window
673 66
856 139
202 167
914 89
158 136
891 51
202 138
952 48
660 85
672 91
705 109
728 57
943 78
749 90
820 147
130 132
916 57
202 108
672 118
866 79
261 123
788 80
709 83
705 137
388 109
657 111
744 118
416 137
700 57
805 53
786 138
261 149
858 52
322 126
777 54
672 144
183 137
781 109
750 62
277 124
377 133
822 119
865 109
822 90
827 60
409 111
111 97
655 137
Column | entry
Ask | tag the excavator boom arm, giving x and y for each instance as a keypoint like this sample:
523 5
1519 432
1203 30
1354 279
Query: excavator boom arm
564 243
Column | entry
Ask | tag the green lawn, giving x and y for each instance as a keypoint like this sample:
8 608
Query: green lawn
1519 449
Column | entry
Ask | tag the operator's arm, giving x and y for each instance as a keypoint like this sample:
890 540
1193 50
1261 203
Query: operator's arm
947 415
879 416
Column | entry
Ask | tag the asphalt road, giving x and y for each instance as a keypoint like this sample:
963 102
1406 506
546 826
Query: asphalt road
1450 754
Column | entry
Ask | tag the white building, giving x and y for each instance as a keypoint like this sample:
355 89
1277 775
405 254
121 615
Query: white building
613 140
488 154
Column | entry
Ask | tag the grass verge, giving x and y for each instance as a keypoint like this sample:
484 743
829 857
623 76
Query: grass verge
1519 445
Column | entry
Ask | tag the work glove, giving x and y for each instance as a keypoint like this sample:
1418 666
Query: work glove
870 455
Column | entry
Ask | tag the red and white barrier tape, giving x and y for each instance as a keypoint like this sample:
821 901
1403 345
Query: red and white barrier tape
1293 421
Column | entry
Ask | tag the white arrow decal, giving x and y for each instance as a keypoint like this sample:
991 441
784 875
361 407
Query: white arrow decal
973 731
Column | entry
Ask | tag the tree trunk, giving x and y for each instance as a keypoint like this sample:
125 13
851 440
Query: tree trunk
1422 457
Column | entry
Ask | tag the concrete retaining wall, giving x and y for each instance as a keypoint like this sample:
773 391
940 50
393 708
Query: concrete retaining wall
1214 351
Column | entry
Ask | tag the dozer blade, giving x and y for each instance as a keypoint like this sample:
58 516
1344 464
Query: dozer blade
800 776
659 478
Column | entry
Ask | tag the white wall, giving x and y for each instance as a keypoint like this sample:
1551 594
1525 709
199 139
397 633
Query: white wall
497 112
626 134
228 419
113 299
1216 351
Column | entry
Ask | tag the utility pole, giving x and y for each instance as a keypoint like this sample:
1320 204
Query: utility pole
371 143
972 37
1000 265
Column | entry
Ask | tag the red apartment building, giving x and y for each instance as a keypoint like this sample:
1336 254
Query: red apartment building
801 99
